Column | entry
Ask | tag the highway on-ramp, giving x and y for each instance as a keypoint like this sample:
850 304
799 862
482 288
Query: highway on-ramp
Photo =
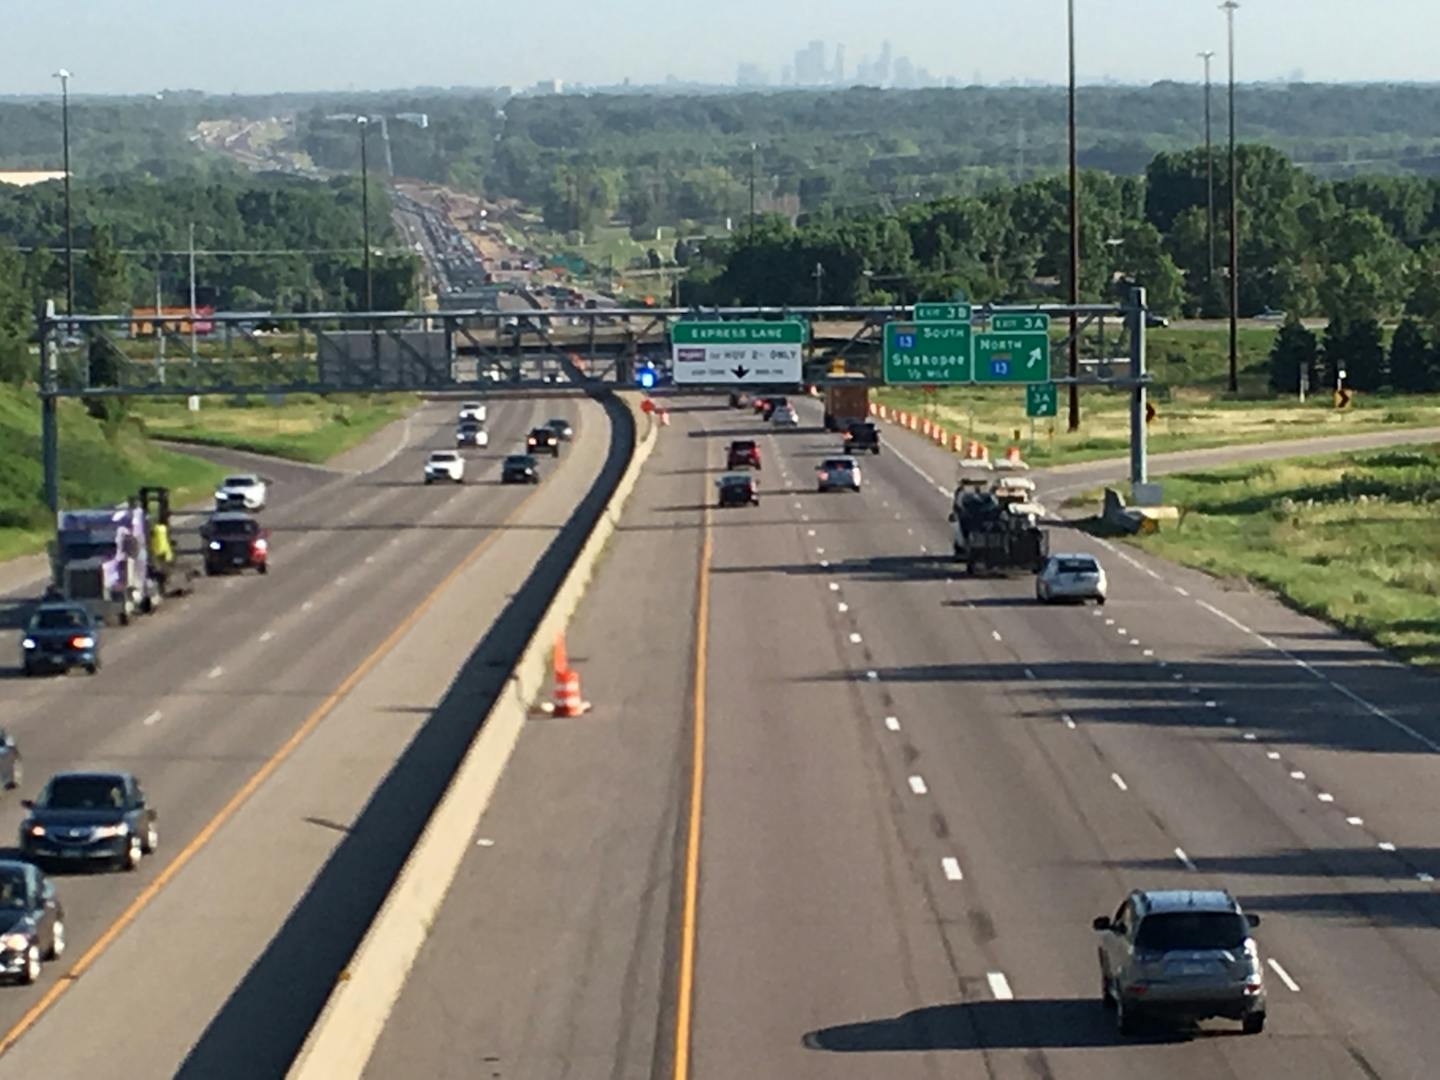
842 811
291 730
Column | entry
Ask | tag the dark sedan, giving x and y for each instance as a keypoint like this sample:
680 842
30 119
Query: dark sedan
32 922
520 469
89 817
59 637
562 428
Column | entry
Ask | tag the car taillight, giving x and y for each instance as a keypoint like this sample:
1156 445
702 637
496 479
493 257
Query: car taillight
260 544
824 475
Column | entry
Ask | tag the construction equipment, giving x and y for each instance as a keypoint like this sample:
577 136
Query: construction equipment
174 572
997 524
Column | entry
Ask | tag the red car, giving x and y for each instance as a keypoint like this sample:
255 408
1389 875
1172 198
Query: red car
743 454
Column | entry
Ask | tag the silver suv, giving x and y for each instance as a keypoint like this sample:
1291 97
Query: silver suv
1182 955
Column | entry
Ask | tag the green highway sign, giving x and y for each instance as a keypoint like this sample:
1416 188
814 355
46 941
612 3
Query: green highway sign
942 312
921 352
1041 400
739 332
1028 320
1016 357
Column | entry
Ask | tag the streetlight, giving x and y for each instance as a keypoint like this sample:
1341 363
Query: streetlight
64 76
752 192
1074 424
1209 170
364 122
1114 243
1229 7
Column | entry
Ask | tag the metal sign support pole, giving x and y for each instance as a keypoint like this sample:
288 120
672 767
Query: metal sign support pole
1139 462
49 426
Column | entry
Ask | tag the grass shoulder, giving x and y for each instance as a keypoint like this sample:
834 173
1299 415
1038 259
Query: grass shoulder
1186 419
302 427
1349 538
100 464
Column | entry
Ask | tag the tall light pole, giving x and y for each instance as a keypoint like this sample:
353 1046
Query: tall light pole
1074 424
752 192
1229 7
1207 56
364 122
64 76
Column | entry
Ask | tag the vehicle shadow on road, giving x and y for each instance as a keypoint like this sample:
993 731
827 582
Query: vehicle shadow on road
1036 1024
264 1023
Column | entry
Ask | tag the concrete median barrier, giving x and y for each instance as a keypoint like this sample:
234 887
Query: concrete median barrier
355 1014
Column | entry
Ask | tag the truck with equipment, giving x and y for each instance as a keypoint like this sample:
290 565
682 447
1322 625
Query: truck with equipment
101 560
847 400
997 527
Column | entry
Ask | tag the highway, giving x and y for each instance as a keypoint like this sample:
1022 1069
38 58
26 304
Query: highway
841 811
292 731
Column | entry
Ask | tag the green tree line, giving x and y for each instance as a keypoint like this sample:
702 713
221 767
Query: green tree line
1347 249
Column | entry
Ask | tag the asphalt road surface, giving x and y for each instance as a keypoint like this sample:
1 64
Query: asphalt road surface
918 789
309 688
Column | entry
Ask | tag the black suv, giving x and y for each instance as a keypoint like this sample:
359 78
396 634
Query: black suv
543 440
235 541
89 817
862 436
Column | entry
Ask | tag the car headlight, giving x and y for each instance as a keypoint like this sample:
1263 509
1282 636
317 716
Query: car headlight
35 829
28 643
107 832
15 942
215 545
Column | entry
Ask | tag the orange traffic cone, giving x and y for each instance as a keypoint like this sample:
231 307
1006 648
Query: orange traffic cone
568 701
664 417
1013 456
561 662
957 444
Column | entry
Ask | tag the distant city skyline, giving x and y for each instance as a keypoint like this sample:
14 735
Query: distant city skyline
268 46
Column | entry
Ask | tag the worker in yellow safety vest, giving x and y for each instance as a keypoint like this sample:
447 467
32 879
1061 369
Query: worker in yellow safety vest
160 549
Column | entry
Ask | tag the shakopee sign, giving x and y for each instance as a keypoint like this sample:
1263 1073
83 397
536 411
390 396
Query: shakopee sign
753 351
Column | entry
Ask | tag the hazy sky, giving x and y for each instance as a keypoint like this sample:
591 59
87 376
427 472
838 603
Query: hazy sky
266 45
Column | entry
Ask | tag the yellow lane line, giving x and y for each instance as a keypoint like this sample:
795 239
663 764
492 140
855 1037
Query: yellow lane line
685 1004
207 833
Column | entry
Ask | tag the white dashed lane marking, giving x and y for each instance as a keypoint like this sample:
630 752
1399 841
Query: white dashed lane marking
1283 976
1119 781
951 866
917 785
999 986
153 718
893 723
268 635
1184 859
216 672
855 639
